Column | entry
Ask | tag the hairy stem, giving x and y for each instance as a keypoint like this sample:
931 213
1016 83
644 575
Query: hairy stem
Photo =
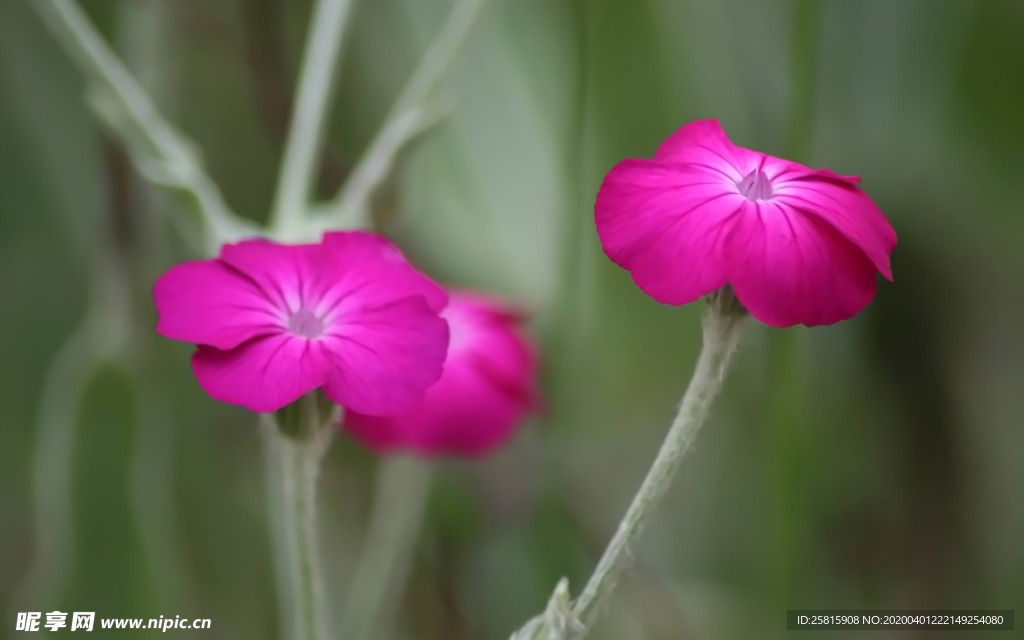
101 337
63 388
162 154
411 115
722 328
403 484
296 445
721 335
326 33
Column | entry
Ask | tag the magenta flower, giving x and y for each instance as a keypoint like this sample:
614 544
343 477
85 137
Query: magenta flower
487 388
797 245
274 322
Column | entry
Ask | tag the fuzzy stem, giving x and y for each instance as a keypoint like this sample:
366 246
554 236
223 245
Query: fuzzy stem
410 116
721 335
51 463
722 328
295 448
162 154
326 33
568 320
402 488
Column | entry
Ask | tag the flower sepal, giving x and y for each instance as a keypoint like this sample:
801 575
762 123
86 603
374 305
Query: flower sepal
308 417
723 304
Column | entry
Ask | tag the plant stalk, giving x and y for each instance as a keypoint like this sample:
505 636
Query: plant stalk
403 484
323 45
412 114
722 327
721 336
296 445
162 154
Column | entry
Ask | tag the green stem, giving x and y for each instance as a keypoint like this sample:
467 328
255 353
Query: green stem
568 319
721 336
402 488
295 449
323 45
722 330
101 337
162 154
410 116
63 388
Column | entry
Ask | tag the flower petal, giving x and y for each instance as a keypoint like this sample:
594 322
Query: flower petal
463 414
385 357
264 374
285 273
488 386
704 143
828 174
357 258
844 206
208 302
667 225
789 268
501 355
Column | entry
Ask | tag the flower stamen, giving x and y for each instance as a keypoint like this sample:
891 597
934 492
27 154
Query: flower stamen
755 186
305 324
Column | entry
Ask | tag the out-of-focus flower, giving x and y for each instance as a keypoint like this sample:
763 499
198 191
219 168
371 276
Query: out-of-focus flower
797 245
487 388
274 322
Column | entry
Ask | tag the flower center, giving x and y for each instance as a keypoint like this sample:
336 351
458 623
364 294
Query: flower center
304 323
755 186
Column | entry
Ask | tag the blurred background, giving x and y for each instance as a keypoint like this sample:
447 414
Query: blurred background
872 464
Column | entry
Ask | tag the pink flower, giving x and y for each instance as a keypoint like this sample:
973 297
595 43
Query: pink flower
797 245
487 388
274 322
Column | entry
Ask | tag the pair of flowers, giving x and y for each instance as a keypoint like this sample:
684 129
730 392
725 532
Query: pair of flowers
415 367
420 370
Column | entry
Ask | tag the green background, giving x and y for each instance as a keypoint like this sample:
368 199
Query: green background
871 464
